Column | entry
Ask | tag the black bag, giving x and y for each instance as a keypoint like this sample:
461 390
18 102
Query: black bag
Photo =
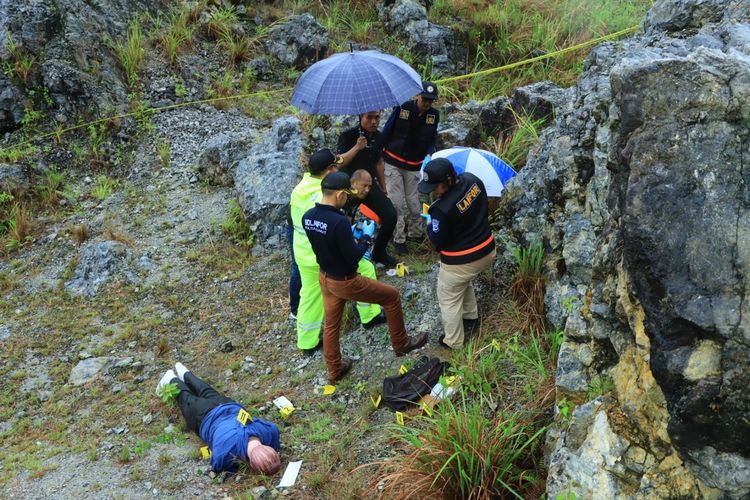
402 390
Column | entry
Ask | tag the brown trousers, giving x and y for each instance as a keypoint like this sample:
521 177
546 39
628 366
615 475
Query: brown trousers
335 295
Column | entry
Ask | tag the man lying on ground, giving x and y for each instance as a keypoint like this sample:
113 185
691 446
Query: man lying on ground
225 426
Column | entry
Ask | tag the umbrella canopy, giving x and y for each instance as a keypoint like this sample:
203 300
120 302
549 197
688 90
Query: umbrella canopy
493 171
351 83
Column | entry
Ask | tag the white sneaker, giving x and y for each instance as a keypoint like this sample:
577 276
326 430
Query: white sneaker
292 317
165 379
181 370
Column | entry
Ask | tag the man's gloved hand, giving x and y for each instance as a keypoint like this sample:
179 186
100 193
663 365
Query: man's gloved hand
368 228
356 232
427 218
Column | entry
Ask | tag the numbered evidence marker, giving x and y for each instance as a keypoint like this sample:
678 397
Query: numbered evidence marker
244 417
402 370
425 208
329 389
399 418
205 453
426 408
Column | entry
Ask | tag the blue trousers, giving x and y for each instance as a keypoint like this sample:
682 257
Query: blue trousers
295 281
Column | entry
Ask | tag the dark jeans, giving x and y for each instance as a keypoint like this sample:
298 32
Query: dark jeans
295 282
197 399
381 205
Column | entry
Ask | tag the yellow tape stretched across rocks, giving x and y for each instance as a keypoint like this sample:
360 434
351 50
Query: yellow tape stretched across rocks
475 74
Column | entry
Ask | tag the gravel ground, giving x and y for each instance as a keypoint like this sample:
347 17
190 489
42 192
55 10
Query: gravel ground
200 300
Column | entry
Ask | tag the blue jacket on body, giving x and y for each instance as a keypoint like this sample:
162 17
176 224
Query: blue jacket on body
227 438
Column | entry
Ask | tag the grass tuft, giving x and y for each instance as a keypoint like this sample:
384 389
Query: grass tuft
132 53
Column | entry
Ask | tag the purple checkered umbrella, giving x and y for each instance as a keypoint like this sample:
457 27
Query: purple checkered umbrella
351 83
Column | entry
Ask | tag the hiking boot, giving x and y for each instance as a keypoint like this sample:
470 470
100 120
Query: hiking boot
400 248
346 365
412 343
383 258
377 320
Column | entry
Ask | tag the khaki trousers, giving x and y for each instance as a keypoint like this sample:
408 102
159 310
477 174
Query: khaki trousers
335 295
456 297
402 190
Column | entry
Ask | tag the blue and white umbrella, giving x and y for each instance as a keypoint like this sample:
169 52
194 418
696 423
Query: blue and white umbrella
493 171
351 83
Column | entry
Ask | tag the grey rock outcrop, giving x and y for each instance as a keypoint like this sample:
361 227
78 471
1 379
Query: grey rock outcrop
102 262
11 105
641 192
220 155
14 177
299 41
265 178
67 40
430 43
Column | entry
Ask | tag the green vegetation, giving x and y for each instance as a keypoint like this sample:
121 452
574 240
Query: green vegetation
104 187
237 227
20 65
131 53
169 393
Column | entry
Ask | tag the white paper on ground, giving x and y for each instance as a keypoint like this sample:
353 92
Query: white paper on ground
290 475
282 402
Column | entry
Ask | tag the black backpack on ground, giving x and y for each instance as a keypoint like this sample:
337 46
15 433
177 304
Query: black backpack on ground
403 390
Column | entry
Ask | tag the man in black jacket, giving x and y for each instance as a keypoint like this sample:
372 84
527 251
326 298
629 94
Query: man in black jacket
361 147
408 136
338 255
459 228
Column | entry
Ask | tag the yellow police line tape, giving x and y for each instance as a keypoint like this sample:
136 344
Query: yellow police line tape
505 67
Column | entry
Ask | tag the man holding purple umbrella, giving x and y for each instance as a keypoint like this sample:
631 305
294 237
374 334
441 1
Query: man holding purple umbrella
458 226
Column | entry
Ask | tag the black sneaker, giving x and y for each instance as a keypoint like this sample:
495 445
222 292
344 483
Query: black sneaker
384 258
400 248
377 320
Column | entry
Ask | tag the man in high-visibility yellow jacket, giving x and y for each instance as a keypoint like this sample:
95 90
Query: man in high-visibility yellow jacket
310 311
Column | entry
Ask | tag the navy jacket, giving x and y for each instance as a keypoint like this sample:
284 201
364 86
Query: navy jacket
330 235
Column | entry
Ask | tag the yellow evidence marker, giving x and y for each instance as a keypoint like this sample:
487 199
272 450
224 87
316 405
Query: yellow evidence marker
399 418
376 402
402 370
244 417
329 389
205 453
401 270
425 208
286 411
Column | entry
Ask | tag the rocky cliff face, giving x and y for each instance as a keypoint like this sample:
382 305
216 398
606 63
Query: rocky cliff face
641 192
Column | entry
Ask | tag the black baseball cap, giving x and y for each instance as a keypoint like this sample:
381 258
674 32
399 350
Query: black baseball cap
336 181
429 91
435 172
322 159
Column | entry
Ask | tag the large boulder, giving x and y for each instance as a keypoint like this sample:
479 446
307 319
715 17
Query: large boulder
220 155
265 178
14 177
299 41
429 43
641 194
11 105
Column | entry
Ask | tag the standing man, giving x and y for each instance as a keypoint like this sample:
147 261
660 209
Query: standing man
338 253
361 147
310 309
409 136
458 226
